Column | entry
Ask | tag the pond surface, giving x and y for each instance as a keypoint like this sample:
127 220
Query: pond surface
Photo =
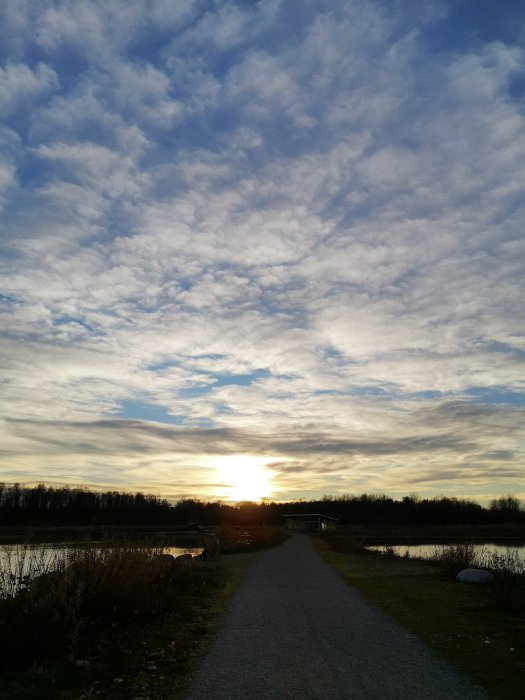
18 561
482 551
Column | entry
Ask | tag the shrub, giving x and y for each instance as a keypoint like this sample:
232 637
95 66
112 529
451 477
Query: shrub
454 558
508 590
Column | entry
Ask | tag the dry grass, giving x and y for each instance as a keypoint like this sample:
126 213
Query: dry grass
454 558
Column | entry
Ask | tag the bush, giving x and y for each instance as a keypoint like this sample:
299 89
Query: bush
508 590
455 557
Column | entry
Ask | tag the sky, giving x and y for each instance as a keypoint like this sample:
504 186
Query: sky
263 249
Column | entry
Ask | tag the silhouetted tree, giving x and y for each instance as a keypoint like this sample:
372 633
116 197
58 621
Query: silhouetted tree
507 509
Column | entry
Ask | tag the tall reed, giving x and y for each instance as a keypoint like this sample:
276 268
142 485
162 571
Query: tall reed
21 563
455 557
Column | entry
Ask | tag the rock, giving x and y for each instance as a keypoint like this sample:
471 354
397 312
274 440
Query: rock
475 576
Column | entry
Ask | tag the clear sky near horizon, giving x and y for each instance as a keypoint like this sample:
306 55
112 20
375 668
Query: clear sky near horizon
267 248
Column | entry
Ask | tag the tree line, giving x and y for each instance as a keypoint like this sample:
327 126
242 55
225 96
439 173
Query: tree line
49 505
57 506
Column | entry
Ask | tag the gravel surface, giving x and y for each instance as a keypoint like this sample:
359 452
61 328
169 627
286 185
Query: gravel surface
294 629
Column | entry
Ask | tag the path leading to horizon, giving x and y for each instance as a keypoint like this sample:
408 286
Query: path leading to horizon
294 629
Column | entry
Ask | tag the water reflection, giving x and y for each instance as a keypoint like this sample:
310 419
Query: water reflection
429 551
21 563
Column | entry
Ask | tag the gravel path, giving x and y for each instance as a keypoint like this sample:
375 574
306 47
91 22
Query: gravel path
294 629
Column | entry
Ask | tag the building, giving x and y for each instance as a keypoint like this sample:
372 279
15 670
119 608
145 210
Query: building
310 522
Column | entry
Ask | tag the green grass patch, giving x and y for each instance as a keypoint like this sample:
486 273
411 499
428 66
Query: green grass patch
460 622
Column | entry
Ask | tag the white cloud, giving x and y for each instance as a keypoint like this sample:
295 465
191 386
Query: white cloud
9 149
18 82
96 166
202 193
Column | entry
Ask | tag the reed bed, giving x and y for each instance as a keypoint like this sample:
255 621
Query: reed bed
21 563
455 557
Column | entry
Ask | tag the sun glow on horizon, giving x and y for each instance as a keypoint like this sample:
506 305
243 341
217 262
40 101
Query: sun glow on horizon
245 477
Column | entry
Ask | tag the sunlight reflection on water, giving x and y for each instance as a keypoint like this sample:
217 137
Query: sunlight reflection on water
428 551
18 561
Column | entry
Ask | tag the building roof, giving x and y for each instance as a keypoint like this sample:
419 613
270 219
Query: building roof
299 516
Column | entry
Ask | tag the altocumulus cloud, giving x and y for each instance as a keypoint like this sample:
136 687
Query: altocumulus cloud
288 232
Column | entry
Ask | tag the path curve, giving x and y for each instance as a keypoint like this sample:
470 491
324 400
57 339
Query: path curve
294 629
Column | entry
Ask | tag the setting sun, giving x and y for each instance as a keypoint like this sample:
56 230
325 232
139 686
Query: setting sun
245 477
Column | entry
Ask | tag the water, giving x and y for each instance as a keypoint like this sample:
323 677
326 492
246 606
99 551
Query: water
20 561
482 551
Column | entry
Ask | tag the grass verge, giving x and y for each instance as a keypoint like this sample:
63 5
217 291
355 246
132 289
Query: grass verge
458 621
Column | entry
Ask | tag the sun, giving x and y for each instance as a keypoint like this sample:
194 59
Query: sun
245 477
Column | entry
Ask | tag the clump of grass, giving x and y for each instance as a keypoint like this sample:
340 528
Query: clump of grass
506 563
508 590
462 556
21 563
455 557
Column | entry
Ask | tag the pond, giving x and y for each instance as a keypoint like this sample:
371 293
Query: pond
483 552
19 561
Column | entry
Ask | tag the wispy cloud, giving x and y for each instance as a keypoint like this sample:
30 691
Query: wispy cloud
326 202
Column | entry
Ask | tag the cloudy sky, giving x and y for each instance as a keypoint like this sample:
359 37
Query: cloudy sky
267 248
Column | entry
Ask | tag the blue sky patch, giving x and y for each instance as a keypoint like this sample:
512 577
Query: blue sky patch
496 395
148 412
